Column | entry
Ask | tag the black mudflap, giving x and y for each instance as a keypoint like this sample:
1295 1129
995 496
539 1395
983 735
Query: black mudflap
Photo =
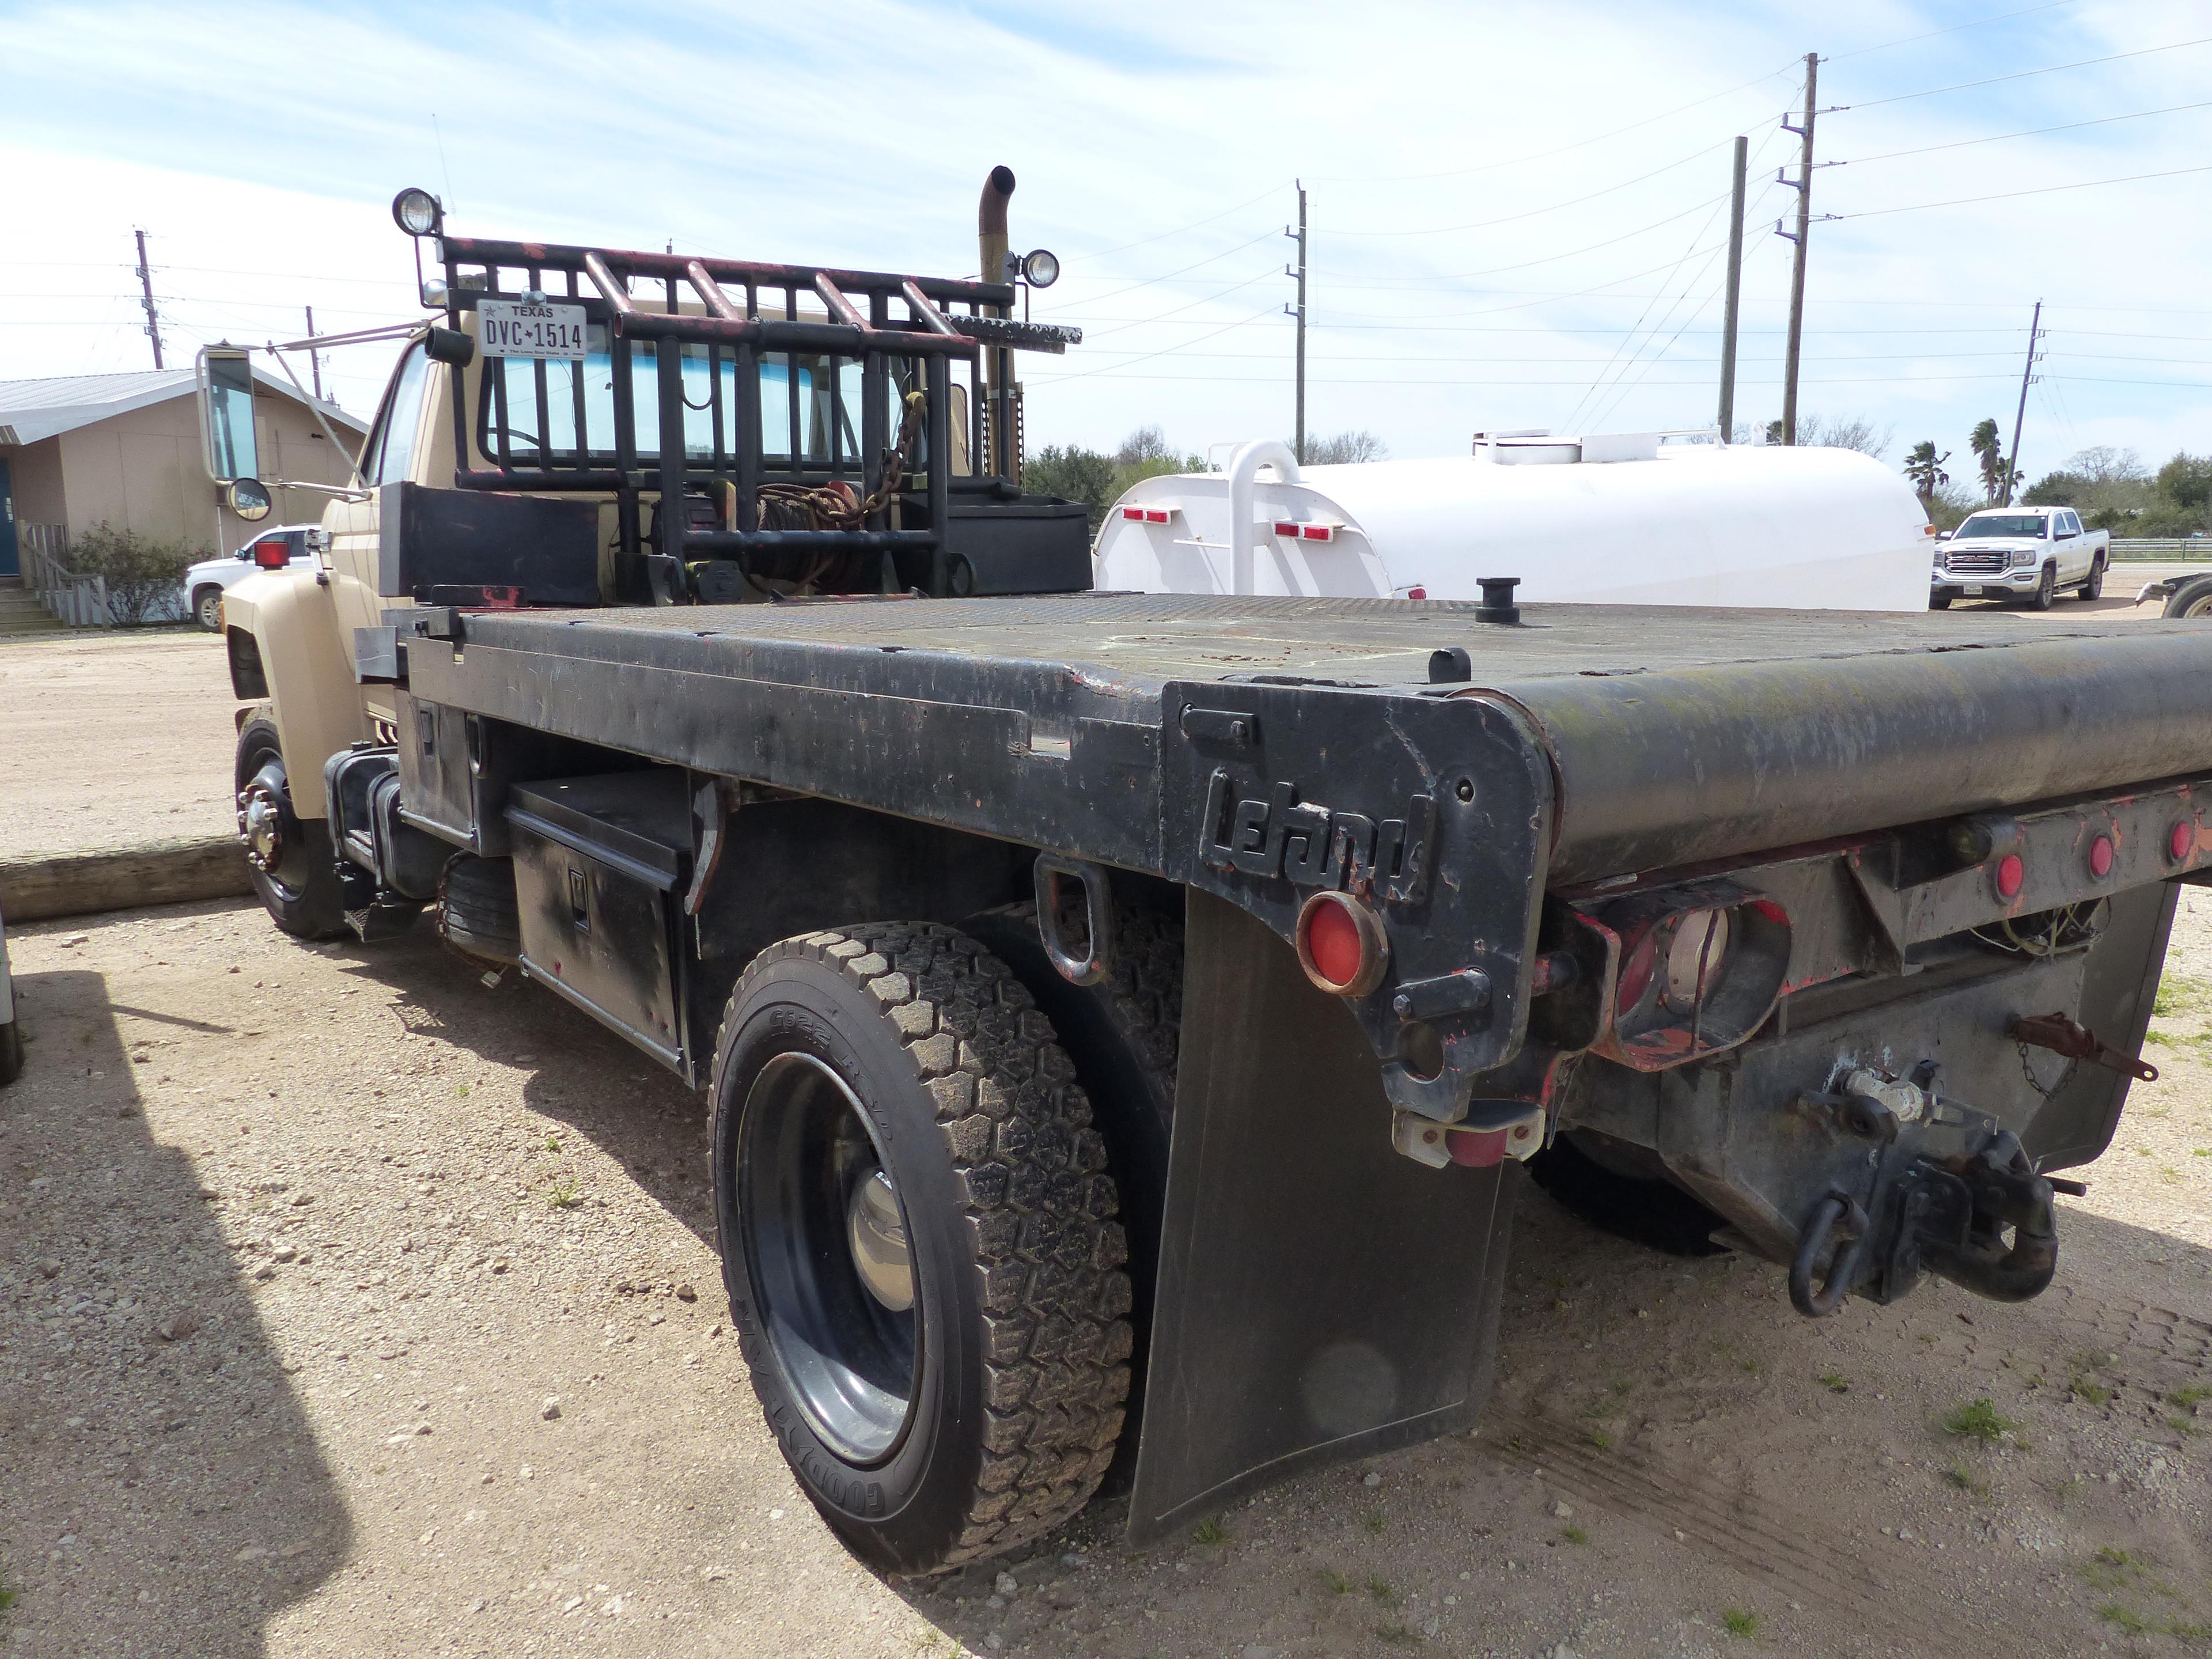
1320 1297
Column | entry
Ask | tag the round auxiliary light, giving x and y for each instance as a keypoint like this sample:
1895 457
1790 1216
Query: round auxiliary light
2181 840
2011 876
1341 944
1040 269
2100 856
415 210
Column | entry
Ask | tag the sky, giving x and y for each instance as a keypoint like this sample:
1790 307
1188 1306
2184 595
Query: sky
1516 216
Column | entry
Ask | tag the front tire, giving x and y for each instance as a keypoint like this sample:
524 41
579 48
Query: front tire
207 609
2190 598
1939 601
2047 590
288 859
920 1245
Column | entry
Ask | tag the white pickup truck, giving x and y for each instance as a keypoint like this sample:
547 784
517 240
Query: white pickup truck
2020 552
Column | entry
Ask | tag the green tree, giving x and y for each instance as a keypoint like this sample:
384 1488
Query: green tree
143 573
1074 474
1988 454
2186 481
1925 468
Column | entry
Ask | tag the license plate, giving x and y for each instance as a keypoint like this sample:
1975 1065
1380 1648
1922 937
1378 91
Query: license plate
509 328
1972 592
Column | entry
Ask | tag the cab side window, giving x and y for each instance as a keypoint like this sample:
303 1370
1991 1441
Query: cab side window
393 442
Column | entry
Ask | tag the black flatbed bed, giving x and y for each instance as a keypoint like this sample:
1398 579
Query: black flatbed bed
1674 733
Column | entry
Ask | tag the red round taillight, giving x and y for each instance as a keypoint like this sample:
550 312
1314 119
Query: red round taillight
2181 840
1341 944
2100 856
2011 876
1417 592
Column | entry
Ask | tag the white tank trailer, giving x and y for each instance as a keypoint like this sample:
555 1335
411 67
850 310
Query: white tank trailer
1631 518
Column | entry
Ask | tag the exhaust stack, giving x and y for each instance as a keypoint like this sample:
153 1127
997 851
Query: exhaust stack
999 392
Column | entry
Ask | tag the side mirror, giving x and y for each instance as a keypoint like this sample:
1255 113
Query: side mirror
225 374
248 498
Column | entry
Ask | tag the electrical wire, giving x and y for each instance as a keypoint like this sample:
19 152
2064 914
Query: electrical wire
1199 224
2032 132
1154 281
2021 75
1552 206
1204 300
2013 195
1974 23
1109 369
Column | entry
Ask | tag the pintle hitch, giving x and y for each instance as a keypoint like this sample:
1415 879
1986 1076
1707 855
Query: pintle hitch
2063 1036
1945 1216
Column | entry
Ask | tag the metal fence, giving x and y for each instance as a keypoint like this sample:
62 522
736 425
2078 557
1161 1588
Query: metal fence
2162 547
80 601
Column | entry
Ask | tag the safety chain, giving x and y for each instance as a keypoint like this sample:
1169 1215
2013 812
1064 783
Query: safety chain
837 505
2028 1071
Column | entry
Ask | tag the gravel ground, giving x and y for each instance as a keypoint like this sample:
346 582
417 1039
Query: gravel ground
349 1305
111 739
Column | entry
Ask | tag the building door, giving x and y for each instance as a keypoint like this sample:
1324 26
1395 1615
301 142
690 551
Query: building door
10 565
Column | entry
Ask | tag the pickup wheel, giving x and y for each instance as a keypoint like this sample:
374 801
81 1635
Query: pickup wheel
919 1241
1939 601
2046 590
11 1049
288 858
207 607
2094 587
2190 598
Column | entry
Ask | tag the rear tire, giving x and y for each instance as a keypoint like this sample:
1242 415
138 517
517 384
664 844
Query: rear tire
207 609
289 858
983 1414
2094 587
2190 598
11 1050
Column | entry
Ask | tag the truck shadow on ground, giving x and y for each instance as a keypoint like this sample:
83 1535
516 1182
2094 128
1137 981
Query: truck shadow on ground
163 1492
1714 1451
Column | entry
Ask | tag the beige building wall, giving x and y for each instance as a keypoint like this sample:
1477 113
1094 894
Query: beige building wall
35 473
142 470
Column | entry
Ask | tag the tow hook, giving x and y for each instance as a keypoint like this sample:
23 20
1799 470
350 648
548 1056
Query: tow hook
1944 1216
2063 1036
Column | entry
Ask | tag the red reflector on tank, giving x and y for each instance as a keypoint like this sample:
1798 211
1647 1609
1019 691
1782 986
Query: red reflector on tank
1148 515
2100 856
1317 532
2181 842
2011 876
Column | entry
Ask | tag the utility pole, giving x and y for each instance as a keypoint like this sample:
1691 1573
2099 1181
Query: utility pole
1298 311
146 289
314 358
2020 415
1735 295
1804 182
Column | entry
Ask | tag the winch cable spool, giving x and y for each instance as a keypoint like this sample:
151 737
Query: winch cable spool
837 505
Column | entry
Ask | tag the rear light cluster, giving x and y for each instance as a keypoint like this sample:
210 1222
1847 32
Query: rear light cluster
1699 971
1305 533
1149 514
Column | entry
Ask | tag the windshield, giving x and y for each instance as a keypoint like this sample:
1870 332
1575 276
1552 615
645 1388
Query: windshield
809 403
2000 524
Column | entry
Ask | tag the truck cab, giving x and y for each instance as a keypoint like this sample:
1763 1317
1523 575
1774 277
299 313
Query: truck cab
2025 553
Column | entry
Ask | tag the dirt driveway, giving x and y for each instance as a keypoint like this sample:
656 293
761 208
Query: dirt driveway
351 1306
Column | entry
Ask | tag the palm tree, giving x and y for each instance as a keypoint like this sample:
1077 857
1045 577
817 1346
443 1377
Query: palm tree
1988 452
1925 468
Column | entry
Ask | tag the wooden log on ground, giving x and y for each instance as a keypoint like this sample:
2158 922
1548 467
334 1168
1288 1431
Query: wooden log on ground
123 877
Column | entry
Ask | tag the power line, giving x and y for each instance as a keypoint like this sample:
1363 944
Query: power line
1196 224
1579 144
1550 207
1975 22
1108 368
1155 282
2021 75
1550 259
2011 195
1204 300
2032 132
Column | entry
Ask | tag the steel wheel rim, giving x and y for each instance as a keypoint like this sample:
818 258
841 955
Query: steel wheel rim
2199 606
269 792
210 611
806 1161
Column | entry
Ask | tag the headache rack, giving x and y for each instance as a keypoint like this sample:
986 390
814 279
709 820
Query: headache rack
776 412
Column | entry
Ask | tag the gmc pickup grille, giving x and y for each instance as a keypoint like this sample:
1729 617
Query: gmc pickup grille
1978 564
